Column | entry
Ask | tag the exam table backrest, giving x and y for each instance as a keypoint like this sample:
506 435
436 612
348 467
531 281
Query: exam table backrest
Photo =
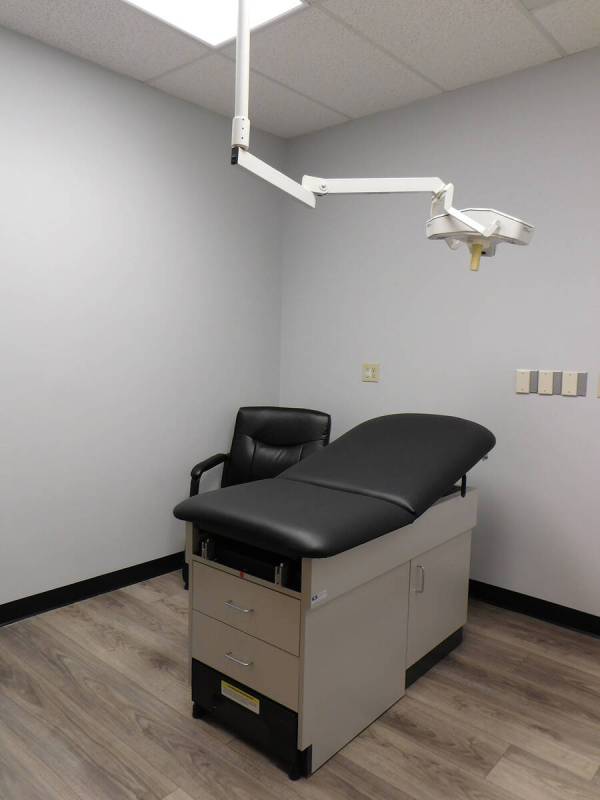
410 460
269 439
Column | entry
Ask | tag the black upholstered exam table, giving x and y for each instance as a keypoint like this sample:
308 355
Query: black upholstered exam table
317 596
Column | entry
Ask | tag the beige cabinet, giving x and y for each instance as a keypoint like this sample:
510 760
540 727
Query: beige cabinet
439 588
334 654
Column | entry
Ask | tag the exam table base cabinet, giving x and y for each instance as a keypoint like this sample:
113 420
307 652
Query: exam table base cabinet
300 673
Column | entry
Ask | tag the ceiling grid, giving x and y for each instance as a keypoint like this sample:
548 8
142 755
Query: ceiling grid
327 62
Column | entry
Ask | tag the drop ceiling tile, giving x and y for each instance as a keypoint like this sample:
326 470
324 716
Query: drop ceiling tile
273 108
109 32
575 24
453 42
208 83
323 59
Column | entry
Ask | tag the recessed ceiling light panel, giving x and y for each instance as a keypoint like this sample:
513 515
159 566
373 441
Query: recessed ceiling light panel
213 21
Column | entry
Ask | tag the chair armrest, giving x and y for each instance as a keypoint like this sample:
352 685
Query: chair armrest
202 467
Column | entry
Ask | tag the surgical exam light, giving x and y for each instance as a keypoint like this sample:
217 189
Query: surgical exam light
481 229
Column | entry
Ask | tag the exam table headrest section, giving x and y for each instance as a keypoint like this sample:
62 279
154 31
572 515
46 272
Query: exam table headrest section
407 459
295 519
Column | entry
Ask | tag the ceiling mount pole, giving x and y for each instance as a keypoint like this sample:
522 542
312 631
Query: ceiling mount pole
240 130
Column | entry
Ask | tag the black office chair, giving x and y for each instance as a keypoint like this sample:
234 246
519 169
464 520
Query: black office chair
266 440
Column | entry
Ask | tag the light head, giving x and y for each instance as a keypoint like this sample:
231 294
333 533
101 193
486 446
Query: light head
495 227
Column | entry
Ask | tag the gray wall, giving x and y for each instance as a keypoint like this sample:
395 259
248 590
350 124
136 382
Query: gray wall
140 302
361 283
139 307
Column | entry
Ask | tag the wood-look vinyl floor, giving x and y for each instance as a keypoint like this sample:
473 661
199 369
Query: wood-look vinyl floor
94 705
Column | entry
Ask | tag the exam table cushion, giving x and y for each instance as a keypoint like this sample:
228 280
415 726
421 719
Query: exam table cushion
292 518
374 479
406 459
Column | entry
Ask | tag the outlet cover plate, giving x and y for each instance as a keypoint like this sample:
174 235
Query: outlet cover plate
371 372
550 382
574 384
526 381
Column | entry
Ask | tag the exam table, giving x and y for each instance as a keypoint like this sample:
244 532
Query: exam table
317 596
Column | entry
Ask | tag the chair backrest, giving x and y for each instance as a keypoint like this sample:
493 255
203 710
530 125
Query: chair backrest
269 439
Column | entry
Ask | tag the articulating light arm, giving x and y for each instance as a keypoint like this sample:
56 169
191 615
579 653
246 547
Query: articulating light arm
442 194
481 230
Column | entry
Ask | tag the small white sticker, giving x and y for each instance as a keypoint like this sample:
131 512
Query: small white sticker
318 597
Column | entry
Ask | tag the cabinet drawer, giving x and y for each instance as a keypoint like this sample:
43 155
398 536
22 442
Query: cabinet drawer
267 669
257 610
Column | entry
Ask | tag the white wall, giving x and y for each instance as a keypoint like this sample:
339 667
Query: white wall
138 309
361 283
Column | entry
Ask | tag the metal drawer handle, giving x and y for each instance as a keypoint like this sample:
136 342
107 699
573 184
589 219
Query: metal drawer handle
239 661
421 584
230 604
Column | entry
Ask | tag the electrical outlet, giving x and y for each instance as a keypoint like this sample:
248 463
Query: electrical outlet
370 373
526 381
549 382
574 384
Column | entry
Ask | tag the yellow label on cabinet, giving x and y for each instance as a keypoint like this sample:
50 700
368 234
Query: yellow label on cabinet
239 696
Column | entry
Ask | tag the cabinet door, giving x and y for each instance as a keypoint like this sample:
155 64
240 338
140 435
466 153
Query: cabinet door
353 669
439 588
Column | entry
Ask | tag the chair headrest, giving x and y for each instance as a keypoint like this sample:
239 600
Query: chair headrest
278 426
